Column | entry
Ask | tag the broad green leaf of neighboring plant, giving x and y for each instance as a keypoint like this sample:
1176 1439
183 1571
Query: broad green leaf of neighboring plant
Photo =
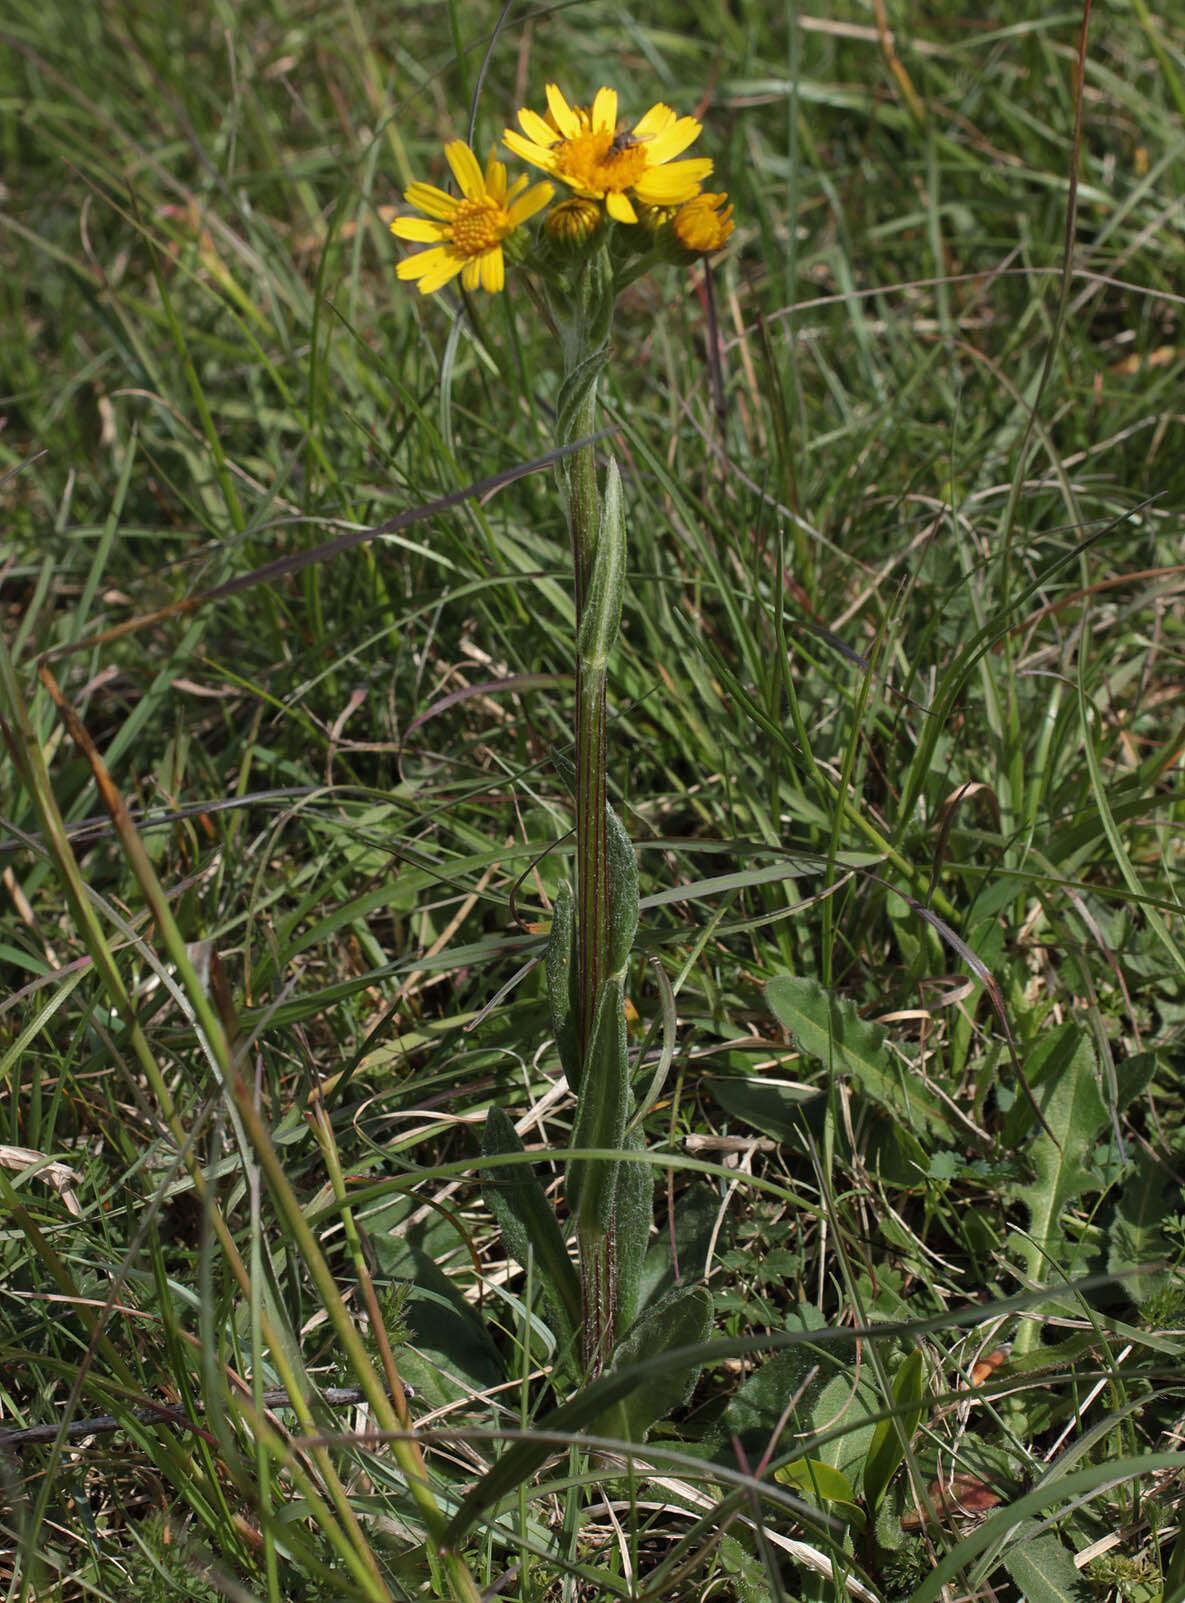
1045 1571
529 1227
827 1485
592 1402
887 1450
828 1027
1147 1198
771 1106
746 1571
1133 1077
1047 1060
450 1353
683 1253
835 1399
1072 1107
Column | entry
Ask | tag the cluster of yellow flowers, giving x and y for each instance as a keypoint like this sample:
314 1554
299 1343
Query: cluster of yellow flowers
628 173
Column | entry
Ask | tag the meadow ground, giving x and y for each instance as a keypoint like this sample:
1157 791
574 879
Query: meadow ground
895 728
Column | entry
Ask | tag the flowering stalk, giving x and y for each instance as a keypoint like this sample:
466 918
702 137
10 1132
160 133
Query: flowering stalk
633 205
585 319
602 891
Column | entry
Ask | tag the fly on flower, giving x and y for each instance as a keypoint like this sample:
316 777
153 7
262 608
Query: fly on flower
624 139
587 149
466 231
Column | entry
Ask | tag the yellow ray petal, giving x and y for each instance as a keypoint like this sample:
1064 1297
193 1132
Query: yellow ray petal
604 111
427 198
420 229
433 267
673 140
466 171
533 125
493 271
538 196
672 185
537 155
566 119
445 272
617 204
658 118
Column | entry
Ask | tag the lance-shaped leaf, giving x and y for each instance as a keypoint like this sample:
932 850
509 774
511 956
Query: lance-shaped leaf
683 1318
633 1218
529 1227
574 393
601 617
623 893
601 1113
887 1448
560 968
566 768
826 1484
1061 1154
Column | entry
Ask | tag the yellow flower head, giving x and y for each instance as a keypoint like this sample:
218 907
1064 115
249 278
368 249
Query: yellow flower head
703 224
587 149
466 231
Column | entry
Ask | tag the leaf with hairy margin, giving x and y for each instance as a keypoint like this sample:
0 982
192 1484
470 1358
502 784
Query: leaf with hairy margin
560 968
683 1318
622 867
529 1226
601 1113
633 1217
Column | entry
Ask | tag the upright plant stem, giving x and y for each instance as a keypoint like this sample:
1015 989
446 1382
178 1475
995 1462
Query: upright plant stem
591 753
586 333
592 888
592 874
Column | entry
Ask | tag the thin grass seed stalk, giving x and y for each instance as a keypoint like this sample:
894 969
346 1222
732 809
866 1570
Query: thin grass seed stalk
632 200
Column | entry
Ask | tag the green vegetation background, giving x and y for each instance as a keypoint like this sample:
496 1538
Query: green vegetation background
898 712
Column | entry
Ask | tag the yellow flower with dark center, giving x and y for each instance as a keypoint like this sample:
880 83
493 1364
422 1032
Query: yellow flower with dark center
703 224
602 159
467 231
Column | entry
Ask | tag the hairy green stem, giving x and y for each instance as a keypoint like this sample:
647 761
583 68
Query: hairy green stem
598 1279
585 328
598 1266
592 873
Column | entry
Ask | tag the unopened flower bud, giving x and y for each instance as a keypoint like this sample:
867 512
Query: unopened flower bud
574 222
